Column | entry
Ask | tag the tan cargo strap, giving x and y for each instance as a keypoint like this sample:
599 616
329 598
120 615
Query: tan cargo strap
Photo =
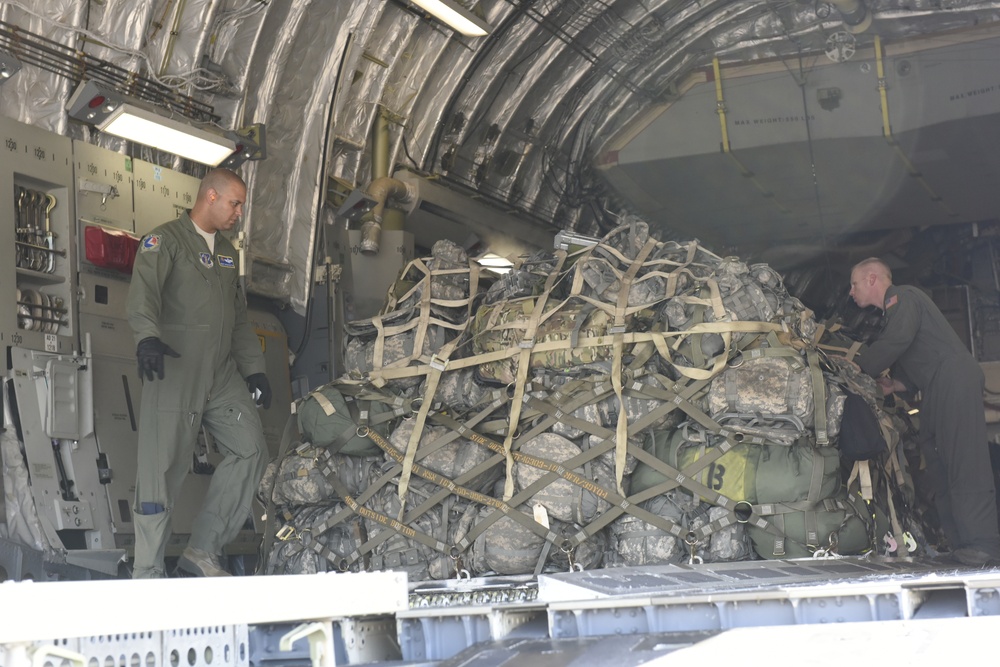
424 282
526 345
433 378
819 398
437 365
368 513
675 478
848 352
662 524
648 517
424 317
658 338
430 503
324 403
269 505
618 347
564 470
357 507
323 462
862 474
894 474
793 356
462 491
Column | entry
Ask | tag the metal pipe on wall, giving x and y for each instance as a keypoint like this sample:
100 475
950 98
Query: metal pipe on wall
382 190
855 13
381 146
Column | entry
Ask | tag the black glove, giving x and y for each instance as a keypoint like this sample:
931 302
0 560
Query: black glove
150 353
259 381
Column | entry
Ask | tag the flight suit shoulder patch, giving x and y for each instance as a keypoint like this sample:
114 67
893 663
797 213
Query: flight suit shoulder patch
151 243
891 301
226 262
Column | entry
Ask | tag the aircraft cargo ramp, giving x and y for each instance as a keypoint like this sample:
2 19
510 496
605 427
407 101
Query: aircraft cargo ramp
826 609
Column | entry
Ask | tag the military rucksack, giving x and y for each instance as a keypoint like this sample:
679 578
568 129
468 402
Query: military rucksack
330 417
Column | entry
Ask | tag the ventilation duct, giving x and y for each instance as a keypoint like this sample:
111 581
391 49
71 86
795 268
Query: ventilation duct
855 13
439 212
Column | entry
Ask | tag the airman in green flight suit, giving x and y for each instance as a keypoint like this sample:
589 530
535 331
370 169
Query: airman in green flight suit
926 355
198 356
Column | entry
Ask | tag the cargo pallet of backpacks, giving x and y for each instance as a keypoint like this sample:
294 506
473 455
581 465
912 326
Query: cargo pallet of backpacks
633 402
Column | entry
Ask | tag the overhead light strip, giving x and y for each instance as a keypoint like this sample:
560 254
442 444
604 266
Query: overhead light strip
167 134
456 16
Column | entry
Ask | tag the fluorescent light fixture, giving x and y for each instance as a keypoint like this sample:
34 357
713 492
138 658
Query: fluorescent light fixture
168 135
495 263
913 411
456 16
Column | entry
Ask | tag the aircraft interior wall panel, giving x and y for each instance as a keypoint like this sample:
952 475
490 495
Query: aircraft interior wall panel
923 88
689 127
65 477
160 194
102 314
857 180
943 84
274 344
104 186
959 160
116 421
367 278
36 212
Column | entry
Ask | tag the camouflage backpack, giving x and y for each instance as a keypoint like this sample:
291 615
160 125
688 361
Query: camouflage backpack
502 327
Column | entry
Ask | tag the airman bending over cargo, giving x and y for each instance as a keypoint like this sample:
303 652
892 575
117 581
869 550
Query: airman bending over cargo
925 354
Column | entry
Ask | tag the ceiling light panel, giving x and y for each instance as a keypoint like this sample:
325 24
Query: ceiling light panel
456 16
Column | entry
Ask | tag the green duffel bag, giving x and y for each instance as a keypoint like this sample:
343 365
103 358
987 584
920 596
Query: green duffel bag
329 418
754 473
838 525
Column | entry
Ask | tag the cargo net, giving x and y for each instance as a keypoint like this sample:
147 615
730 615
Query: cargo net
632 403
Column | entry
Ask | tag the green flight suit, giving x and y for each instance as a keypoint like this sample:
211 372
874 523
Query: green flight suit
926 354
191 299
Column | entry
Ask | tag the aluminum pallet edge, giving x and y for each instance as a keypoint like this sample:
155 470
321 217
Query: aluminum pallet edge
190 621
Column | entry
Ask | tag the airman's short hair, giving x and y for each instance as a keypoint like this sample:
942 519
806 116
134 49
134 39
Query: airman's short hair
874 264
217 179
